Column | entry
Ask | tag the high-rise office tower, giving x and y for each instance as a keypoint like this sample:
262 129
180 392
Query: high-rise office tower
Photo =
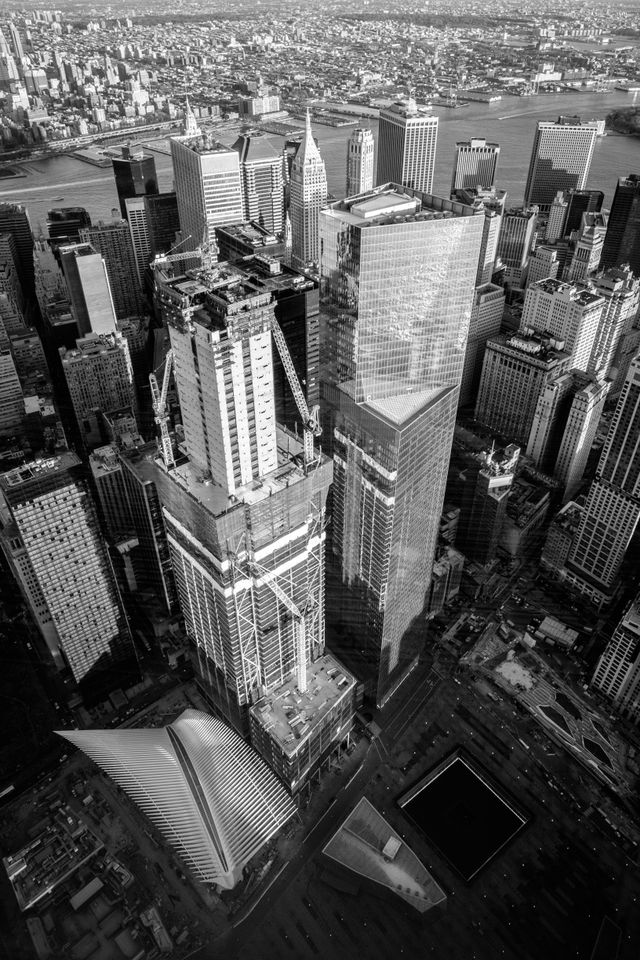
515 370
617 674
398 273
100 380
163 222
360 149
51 514
205 789
486 319
244 516
515 242
557 218
489 505
588 249
621 292
493 202
14 219
406 147
151 559
138 220
580 202
10 286
579 432
64 224
544 263
564 427
475 164
113 241
135 174
16 41
613 504
567 313
262 181
11 397
85 274
560 159
622 242
308 192
208 187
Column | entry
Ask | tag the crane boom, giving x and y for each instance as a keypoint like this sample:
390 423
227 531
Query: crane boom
300 637
159 403
310 420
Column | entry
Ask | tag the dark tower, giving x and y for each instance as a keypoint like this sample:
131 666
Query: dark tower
135 176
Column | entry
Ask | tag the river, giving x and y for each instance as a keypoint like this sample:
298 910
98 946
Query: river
509 122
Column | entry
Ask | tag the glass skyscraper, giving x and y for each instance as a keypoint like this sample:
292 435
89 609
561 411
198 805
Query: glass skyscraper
397 277
560 158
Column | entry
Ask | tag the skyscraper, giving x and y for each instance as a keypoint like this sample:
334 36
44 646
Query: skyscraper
621 292
54 519
557 218
64 224
580 202
162 221
113 241
245 515
398 272
617 674
360 149
475 164
406 147
622 242
138 220
11 397
308 193
588 248
489 505
262 182
208 793
613 504
486 320
14 219
85 274
493 202
515 370
208 188
515 242
560 159
135 174
100 380
565 312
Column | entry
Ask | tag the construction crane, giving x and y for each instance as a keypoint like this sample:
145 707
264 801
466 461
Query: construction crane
310 423
202 251
159 403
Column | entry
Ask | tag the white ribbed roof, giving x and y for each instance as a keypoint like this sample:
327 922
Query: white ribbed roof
206 790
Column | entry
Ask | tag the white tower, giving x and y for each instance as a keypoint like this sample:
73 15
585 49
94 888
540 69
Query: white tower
360 148
308 196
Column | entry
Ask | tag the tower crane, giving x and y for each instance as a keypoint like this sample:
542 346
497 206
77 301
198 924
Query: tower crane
159 403
310 423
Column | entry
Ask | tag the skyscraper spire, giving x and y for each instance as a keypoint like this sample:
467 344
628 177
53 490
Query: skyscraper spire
308 196
191 128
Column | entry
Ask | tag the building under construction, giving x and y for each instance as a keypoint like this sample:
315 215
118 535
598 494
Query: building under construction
244 499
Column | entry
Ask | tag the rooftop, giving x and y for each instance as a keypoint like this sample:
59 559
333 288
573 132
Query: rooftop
203 144
367 844
216 500
391 203
38 469
290 716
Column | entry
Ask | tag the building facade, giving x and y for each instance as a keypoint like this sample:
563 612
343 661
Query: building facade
560 159
617 674
69 561
135 175
622 242
262 182
360 150
308 195
475 164
406 147
398 271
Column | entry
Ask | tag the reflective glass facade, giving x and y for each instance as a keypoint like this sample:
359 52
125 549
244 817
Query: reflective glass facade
397 279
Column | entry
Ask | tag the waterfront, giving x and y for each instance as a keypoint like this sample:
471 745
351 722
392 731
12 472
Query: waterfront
509 122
